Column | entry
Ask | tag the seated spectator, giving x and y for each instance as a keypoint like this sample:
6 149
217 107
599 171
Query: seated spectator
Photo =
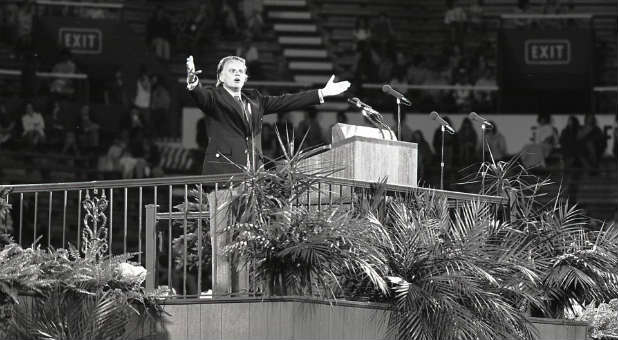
255 24
110 162
33 127
142 159
455 18
63 87
386 65
160 106
543 142
56 131
8 23
70 146
135 122
143 94
495 144
569 144
463 96
523 7
229 18
116 91
467 139
92 12
383 35
553 7
312 129
249 51
615 147
425 155
7 128
197 24
25 15
362 34
159 33
593 142
87 131
475 16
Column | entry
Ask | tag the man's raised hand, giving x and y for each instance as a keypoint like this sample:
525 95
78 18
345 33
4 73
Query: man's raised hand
192 79
332 89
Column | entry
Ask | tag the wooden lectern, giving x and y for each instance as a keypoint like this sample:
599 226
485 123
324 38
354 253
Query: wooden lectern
364 154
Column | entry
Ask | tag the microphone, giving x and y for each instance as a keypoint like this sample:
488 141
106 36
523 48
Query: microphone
389 90
475 117
364 107
435 116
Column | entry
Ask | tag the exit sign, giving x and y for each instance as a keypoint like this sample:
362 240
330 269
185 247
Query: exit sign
547 52
81 40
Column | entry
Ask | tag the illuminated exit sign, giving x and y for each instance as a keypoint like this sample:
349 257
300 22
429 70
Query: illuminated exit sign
547 52
81 40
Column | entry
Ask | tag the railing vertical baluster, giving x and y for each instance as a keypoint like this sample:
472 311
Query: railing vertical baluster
319 196
64 219
309 199
169 238
49 221
151 246
199 243
139 223
341 202
111 219
352 196
21 216
213 239
330 195
184 223
36 213
126 216
79 218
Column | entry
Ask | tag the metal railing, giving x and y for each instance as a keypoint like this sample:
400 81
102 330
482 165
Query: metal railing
146 216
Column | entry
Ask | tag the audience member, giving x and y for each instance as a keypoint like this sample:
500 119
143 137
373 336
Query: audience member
523 7
455 18
25 15
87 131
198 23
593 142
135 122
425 155
159 33
55 127
70 147
495 143
255 24
615 147
544 140
229 18
63 87
160 105
467 139
475 16
143 96
463 96
484 99
311 128
569 143
7 128
362 34
383 35
110 162
116 92
33 127
249 51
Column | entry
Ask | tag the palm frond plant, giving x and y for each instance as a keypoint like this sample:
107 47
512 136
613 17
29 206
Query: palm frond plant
576 258
293 248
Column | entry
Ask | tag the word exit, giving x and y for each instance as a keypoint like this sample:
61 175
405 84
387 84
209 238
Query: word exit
548 52
81 40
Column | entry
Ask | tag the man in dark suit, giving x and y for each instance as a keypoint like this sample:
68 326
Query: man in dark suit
234 127
234 115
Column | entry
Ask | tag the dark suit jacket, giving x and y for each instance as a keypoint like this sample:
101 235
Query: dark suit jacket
230 136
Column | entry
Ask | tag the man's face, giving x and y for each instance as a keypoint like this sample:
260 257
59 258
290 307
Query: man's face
233 76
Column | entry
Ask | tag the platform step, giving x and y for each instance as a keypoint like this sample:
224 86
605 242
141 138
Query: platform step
311 79
311 66
289 40
287 15
303 28
304 53
285 3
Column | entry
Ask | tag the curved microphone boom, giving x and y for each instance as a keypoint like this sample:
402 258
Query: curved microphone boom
475 117
435 116
389 90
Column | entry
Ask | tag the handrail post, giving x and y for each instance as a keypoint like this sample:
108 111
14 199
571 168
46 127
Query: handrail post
151 246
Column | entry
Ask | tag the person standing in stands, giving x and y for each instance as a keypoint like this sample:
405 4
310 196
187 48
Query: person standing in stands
234 128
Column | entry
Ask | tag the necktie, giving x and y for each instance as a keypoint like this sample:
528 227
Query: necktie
242 107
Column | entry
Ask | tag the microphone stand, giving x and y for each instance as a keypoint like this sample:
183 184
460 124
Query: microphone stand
442 128
483 128
398 119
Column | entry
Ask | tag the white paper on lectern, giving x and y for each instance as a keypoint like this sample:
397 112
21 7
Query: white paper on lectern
342 131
